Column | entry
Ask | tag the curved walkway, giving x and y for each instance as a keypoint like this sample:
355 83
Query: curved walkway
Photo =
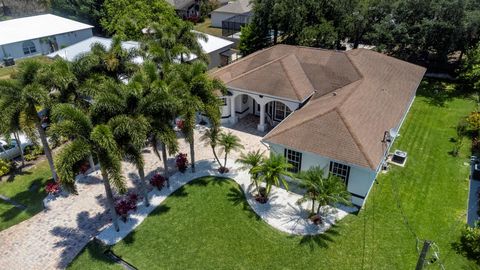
281 211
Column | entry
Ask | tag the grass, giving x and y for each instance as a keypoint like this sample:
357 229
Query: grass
207 224
206 27
6 72
26 188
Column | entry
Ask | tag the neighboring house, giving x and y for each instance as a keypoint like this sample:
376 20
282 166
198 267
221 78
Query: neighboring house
214 47
232 9
39 35
186 8
334 109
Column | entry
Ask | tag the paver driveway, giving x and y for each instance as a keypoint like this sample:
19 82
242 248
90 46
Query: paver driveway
51 239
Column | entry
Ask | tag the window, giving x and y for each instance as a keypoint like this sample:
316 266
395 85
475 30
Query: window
281 111
29 47
340 170
294 158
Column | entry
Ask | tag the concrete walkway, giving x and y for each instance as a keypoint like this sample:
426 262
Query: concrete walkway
53 238
281 211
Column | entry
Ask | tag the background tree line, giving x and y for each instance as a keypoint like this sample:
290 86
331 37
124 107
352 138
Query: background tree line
420 31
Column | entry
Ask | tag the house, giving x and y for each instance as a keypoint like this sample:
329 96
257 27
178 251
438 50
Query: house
38 35
335 109
215 47
230 10
186 8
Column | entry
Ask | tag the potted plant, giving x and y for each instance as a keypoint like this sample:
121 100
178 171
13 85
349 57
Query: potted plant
125 205
158 181
181 162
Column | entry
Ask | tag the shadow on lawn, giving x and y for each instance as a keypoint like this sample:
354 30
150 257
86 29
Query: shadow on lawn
320 240
31 198
438 92
237 197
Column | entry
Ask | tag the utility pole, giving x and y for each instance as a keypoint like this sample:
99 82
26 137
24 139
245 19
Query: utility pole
423 254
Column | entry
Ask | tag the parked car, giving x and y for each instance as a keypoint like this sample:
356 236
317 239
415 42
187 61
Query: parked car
11 151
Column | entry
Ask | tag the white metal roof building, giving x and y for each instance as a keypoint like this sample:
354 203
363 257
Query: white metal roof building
213 47
42 34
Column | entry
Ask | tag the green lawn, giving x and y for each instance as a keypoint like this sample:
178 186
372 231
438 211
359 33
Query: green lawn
206 27
26 188
205 225
5 72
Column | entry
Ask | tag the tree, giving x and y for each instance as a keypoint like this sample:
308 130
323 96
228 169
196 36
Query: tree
211 138
88 11
126 19
273 171
470 70
195 90
229 142
249 161
88 139
469 243
323 189
23 96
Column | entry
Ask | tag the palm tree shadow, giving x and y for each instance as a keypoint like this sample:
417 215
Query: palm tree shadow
236 195
180 192
29 200
320 240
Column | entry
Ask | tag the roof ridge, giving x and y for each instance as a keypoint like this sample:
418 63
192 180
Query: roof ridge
243 59
290 79
355 138
257 68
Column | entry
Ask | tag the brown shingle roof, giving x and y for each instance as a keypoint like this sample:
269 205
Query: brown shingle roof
346 121
290 72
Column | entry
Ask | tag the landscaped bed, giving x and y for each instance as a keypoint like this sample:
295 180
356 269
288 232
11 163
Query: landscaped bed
207 224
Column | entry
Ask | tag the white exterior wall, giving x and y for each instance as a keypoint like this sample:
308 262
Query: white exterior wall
15 50
360 180
215 57
219 17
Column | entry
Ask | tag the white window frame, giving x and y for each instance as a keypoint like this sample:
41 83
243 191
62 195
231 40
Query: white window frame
29 47
295 158
224 101
340 170
282 110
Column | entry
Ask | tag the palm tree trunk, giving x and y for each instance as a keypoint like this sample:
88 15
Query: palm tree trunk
216 157
313 206
92 163
225 161
192 151
46 149
165 163
19 145
110 203
141 173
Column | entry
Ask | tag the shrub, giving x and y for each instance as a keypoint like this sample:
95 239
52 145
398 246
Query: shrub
158 181
32 152
30 157
469 243
5 167
125 205
473 120
181 162
52 187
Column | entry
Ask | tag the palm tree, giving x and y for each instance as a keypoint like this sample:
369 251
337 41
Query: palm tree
130 133
229 143
211 138
195 89
325 189
86 140
249 161
24 95
273 171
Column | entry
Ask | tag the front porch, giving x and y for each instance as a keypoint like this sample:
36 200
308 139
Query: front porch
258 113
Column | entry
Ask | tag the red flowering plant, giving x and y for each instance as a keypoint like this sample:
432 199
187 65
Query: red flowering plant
125 205
158 181
84 167
181 162
180 124
52 187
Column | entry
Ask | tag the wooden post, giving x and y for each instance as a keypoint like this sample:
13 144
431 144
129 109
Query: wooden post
423 254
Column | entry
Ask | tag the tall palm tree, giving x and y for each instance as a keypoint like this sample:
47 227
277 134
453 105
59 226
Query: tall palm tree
249 161
130 133
196 91
325 189
160 106
24 95
229 143
273 171
88 139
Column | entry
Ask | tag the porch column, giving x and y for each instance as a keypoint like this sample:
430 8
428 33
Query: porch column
262 127
233 117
